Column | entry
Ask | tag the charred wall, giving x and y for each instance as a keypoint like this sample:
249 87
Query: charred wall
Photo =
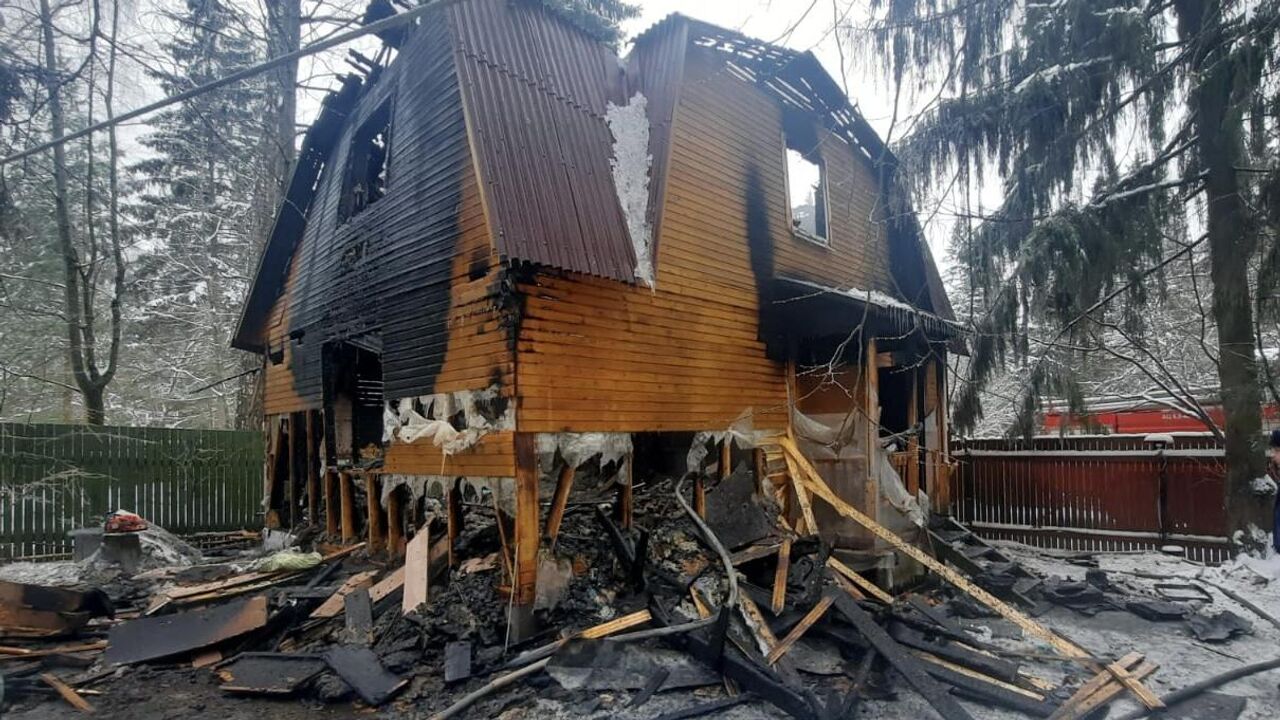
411 275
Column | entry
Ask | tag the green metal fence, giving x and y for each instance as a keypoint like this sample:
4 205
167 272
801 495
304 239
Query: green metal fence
56 478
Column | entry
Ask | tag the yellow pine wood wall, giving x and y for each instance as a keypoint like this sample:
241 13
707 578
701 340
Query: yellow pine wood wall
600 355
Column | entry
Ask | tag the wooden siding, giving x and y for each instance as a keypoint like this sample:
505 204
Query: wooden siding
279 390
492 456
600 355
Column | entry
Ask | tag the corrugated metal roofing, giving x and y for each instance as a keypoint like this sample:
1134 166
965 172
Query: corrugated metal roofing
535 93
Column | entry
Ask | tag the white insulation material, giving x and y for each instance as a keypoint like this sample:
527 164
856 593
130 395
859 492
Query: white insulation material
742 432
577 448
433 488
630 162
430 416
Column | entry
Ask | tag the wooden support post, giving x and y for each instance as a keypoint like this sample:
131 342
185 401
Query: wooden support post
871 488
347 491
291 490
453 517
912 480
726 456
526 536
624 496
376 530
937 477
331 509
761 465
312 466
395 524
564 483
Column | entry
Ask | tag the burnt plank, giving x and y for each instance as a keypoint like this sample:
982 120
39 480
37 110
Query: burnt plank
910 668
457 661
359 615
163 636
363 671
269 673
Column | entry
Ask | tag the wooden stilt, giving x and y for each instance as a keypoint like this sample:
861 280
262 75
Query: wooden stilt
453 516
624 496
564 483
700 497
761 466
312 466
912 480
726 457
376 530
331 509
347 491
291 490
526 536
871 488
395 524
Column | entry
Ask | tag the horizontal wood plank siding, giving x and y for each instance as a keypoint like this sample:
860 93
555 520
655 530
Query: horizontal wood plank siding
492 456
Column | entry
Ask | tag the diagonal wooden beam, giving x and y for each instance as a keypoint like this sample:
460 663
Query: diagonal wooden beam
814 615
811 479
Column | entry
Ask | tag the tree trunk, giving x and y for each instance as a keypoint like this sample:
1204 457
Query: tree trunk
62 216
95 411
1232 243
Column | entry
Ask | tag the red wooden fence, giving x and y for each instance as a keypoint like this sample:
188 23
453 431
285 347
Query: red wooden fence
1095 493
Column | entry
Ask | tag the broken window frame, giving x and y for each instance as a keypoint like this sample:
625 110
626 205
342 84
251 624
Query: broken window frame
821 235
378 122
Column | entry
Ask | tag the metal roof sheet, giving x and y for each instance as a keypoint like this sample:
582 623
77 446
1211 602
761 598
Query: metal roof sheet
536 92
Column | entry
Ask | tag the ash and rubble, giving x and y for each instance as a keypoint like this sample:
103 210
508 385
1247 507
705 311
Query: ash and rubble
664 573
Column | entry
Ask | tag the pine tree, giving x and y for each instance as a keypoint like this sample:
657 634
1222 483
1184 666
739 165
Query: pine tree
1113 125
195 209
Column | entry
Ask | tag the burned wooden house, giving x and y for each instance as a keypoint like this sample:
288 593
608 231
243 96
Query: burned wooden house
509 254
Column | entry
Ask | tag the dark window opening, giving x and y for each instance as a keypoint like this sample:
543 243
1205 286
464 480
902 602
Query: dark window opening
807 190
368 164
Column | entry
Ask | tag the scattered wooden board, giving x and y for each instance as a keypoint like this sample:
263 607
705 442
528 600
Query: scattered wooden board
70 695
269 673
154 638
906 665
331 607
811 617
417 571
363 671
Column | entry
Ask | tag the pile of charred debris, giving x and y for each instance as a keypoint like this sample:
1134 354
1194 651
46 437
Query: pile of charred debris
725 610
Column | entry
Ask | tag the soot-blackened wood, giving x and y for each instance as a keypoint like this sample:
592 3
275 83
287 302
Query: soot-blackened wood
362 670
153 638
952 652
906 665
358 608
457 661
971 687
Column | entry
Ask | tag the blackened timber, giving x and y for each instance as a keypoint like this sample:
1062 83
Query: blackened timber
362 670
909 667
988 692
952 652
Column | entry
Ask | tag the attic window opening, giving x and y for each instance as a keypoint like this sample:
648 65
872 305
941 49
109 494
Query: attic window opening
807 194
368 164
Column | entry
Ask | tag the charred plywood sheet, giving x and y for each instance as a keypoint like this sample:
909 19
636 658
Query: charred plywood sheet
269 673
156 638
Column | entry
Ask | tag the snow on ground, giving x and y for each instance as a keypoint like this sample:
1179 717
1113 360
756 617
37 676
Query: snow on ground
1183 660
